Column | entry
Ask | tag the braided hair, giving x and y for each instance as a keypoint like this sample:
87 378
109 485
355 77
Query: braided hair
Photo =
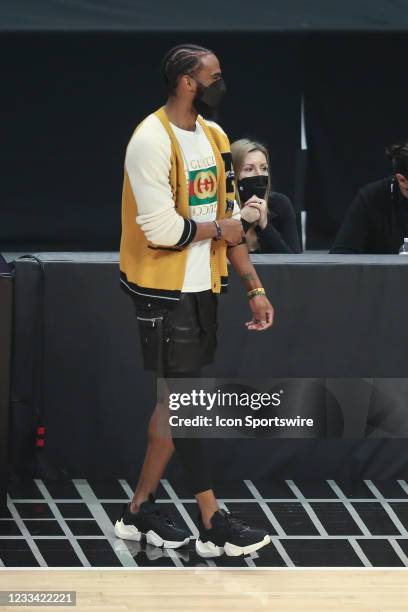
398 154
183 59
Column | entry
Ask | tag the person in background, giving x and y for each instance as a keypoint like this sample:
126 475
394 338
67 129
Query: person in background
268 217
377 220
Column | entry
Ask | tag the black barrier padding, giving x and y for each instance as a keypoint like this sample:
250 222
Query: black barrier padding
6 321
5 268
27 398
335 317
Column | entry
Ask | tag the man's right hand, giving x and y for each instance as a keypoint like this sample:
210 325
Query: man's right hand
231 230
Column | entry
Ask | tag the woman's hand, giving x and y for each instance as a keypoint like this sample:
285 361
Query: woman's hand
255 210
251 210
263 213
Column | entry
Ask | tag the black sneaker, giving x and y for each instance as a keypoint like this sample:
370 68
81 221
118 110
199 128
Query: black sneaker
158 527
228 534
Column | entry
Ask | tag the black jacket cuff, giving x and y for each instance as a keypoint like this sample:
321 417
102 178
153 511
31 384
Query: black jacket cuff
189 232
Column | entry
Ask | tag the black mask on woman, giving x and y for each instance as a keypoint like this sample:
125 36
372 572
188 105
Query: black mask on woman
207 99
252 185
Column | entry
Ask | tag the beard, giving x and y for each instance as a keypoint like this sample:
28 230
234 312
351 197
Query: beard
205 110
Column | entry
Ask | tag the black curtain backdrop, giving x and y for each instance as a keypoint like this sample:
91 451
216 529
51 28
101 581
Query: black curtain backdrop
70 102
161 15
355 105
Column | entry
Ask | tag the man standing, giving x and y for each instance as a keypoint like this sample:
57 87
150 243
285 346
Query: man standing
180 222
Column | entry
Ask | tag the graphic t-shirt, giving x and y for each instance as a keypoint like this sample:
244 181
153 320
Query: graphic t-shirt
201 176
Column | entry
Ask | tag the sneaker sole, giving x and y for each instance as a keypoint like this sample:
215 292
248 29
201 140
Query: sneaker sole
130 532
209 549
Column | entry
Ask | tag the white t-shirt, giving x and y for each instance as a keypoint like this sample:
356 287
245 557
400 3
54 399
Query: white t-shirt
201 176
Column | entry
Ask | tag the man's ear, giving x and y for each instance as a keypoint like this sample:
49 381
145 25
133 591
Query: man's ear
188 82
401 179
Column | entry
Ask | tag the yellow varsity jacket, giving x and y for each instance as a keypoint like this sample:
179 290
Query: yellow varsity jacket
155 271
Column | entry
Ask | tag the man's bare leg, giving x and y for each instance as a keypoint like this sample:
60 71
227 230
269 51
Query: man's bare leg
208 505
158 454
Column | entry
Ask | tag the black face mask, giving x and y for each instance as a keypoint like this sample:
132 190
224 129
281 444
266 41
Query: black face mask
252 185
207 99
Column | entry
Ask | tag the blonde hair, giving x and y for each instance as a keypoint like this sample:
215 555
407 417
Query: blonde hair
239 150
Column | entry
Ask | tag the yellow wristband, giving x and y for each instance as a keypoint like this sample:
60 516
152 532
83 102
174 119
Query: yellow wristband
257 291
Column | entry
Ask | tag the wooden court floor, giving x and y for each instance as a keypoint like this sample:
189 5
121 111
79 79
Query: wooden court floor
314 590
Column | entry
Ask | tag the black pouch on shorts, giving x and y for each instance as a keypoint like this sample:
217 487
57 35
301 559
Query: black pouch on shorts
150 335
183 347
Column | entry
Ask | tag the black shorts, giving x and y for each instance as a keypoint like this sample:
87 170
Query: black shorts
182 338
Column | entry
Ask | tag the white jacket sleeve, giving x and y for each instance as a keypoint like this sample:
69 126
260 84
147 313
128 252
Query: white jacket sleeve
147 163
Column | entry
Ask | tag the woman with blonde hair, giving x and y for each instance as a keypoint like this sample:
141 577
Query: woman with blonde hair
267 216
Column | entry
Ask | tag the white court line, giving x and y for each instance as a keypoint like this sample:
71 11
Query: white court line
174 557
262 502
98 512
61 521
274 522
323 532
26 534
350 508
359 552
391 513
198 568
357 519
223 499
393 540
398 550
54 537
281 538
179 505
404 487
308 509
50 518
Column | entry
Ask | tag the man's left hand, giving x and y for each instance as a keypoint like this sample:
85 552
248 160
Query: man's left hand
262 313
